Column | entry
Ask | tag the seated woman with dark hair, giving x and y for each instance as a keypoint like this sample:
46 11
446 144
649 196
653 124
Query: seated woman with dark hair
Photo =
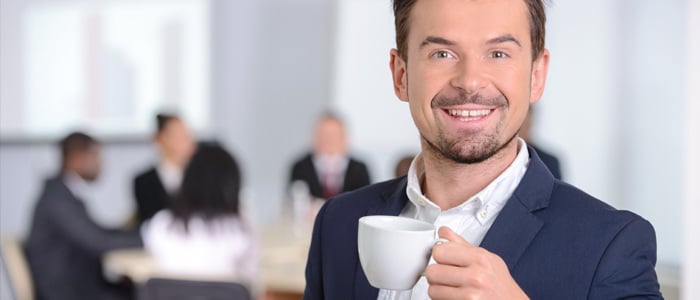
203 234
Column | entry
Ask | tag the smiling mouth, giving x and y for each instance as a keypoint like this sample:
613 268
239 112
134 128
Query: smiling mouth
465 115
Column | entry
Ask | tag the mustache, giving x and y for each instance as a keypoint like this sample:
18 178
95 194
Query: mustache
462 98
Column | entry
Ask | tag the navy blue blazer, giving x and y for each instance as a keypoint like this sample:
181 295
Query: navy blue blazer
557 241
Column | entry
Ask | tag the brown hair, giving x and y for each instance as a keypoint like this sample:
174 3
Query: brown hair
402 10
74 143
162 120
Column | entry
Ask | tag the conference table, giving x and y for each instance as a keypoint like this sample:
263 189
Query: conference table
284 249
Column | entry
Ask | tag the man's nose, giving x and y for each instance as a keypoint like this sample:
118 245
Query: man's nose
470 76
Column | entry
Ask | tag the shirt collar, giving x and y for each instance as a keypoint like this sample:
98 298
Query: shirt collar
76 185
324 163
494 195
170 176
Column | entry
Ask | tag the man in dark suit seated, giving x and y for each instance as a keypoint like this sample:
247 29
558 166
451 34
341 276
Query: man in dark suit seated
469 71
155 187
329 170
65 245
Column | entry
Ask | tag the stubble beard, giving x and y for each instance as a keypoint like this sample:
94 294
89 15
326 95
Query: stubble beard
468 149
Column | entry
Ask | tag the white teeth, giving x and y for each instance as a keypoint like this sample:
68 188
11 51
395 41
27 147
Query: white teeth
469 113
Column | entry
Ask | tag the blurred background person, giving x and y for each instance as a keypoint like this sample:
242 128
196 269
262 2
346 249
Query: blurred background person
65 245
549 159
403 165
155 188
203 234
329 170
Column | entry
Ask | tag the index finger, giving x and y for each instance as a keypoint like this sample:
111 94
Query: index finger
447 233
456 252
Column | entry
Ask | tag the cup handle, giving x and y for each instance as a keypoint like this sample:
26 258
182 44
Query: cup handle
437 241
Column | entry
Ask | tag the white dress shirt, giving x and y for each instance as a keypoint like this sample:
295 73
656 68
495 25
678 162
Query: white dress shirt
170 176
471 219
331 170
77 186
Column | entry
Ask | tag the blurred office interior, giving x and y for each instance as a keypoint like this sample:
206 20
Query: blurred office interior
620 107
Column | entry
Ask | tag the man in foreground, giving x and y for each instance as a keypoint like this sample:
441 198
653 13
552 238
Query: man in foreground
469 69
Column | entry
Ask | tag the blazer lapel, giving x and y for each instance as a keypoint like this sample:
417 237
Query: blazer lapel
516 226
394 200
512 233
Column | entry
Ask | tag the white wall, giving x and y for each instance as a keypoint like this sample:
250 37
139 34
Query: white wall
271 69
270 81
691 228
381 127
576 115
652 85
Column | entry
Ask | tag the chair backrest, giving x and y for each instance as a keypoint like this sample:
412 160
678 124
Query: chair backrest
15 262
180 289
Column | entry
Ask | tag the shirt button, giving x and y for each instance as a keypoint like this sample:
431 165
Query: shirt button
421 202
483 213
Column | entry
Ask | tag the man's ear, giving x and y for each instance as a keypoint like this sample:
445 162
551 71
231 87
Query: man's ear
539 76
398 74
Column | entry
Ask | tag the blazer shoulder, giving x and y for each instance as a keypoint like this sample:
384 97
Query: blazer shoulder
146 175
356 162
54 187
574 204
303 161
55 196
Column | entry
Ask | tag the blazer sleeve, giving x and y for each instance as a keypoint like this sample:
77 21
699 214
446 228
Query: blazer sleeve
139 197
627 268
76 225
295 174
144 195
314 274
364 175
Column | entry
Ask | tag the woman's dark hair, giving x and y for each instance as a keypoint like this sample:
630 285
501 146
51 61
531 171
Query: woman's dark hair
210 186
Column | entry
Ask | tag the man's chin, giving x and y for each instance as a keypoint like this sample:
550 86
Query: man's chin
89 178
471 157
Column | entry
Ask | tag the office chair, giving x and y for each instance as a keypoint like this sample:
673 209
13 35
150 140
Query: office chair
181 289
15 261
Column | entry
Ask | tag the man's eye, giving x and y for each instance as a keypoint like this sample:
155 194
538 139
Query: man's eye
442 54
498 54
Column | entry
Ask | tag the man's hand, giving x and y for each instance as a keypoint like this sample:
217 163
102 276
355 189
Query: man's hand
464 271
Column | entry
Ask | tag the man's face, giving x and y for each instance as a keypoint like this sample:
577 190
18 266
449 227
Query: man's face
469 76
90 163
176 141
330 137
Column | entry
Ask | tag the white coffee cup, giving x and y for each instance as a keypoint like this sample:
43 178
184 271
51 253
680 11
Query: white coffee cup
394 251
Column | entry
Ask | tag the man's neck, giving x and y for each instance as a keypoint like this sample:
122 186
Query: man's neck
76 184
448 183
171 162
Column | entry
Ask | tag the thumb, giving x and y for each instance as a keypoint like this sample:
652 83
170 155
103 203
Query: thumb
447 233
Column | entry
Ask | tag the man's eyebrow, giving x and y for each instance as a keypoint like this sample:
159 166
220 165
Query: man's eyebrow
503 39
436 40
